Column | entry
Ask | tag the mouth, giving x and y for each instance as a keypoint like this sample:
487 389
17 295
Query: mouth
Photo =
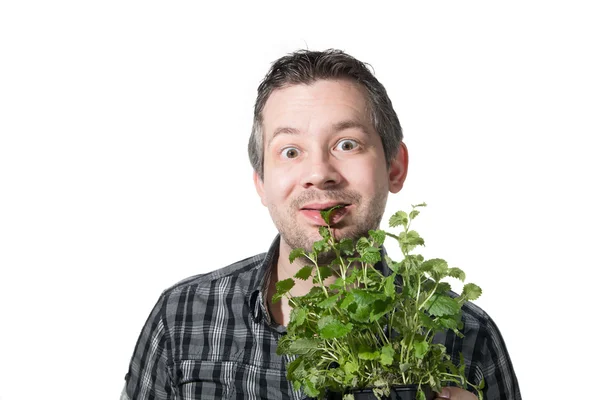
324 206
337 212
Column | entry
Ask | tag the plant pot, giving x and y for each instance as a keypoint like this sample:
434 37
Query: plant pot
405 392
328 396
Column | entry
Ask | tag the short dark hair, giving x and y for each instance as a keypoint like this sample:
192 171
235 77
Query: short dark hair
306 67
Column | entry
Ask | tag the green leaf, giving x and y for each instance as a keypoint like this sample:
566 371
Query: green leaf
348 299
310 389
338 284
441 305
296 368
449 322
362 313
457 273
366 353
409 240
285 285
304 273
436 267
324 232
379 309
325 272
297 316
326 214
409 266
361 244
389 286
329 301
413 214
471 291
315 291
399 218
387 355
378 236
427 322
421 348
443 287
321 246
350 367
353 277
481 384
282 287
365 297
295 254
330 328
303 346
404 367
371 255
346 246
413 237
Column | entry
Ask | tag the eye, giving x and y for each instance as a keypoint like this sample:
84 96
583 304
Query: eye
290 152
347 145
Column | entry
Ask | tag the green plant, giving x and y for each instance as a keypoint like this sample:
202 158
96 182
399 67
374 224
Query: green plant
372 327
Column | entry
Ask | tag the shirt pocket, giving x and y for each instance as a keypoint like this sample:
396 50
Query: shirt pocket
195 379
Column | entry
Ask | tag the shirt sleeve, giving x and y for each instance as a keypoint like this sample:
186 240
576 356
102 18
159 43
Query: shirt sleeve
124 393
148 376
497 369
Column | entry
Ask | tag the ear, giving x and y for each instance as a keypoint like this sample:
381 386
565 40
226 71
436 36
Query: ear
398 169
259 186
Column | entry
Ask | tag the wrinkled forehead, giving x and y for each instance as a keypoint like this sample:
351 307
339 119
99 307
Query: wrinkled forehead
334 101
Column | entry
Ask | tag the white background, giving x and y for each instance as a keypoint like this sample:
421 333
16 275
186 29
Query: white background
123 166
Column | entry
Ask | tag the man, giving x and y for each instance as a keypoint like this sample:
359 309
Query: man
325 134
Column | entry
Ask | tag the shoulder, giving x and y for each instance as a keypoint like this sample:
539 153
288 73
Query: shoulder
243 275
482 343
479 336
486 355
205 300
479 324
474 316
199 297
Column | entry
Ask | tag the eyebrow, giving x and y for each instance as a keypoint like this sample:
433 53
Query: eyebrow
339 126
349 124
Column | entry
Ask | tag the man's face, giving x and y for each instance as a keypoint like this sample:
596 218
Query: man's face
321 150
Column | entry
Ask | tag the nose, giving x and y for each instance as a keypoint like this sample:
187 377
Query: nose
320 172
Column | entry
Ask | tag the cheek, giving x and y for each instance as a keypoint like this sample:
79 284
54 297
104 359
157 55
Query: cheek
370 177
278 186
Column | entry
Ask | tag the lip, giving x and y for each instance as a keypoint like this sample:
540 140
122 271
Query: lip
313 212
322 206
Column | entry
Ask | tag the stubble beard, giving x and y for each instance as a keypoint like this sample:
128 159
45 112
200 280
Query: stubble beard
364 218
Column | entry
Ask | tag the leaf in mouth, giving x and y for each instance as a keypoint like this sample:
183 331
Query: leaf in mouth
326 214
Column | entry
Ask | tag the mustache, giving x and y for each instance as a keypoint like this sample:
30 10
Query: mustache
342 196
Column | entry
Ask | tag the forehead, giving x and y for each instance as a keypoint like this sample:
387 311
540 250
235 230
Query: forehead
321 102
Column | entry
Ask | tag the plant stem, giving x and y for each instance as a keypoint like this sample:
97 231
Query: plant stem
319 276
429 297
391 235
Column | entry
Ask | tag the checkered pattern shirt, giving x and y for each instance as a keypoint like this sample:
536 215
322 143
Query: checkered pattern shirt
211 337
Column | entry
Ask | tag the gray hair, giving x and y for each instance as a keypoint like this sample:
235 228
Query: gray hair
306 67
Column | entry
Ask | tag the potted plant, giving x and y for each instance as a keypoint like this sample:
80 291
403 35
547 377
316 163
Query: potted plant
365 330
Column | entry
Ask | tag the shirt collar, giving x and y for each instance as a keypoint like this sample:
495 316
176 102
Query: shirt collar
256 297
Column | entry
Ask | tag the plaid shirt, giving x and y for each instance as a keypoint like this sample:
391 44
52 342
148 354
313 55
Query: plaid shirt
211 337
